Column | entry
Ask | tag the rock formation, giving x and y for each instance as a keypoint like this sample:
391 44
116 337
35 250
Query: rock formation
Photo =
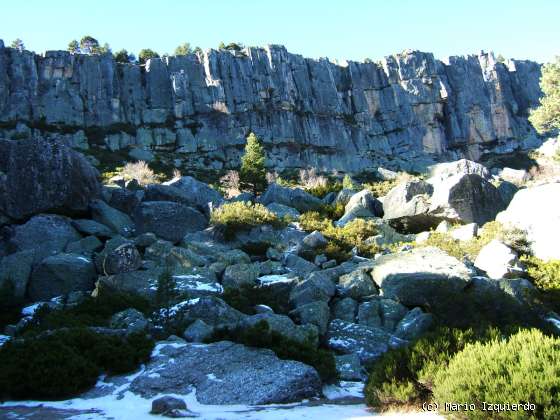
400 112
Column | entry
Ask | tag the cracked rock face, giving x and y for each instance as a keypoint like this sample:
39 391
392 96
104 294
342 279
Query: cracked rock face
349 116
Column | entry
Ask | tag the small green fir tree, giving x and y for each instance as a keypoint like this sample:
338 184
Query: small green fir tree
252 175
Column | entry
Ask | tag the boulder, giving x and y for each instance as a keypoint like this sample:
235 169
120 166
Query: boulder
237 275
413 325
343 196
369 343
44 234
16 268
466 198
406 207
91 227
345 309
550 147
141 154
392 312
200 196
515 176
387 174
126 199
535 210
198 284
283 211
141 282
465 232
131 320
421 276
41 175
442 171
317 286
213 311
122 259
85 246
300 266
170 407
357 285
226 373
118 221
283 325
369 314
315 240
362 204
293 197
168 220
349 368
498 260
198 332
316 313
507 190
61 274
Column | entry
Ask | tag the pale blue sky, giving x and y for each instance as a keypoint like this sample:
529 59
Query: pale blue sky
350 29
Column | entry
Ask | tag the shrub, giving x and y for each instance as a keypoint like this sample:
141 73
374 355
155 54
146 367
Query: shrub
546 277
381 188
92 311
246 297
140 171
524 368
446 243
348 183
66 363
261 336
405 375
341 239
10 305
243 215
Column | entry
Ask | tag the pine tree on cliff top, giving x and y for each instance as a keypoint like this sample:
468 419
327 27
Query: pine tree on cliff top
252 175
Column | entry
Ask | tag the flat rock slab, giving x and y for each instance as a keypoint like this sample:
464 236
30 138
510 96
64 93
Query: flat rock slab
226 373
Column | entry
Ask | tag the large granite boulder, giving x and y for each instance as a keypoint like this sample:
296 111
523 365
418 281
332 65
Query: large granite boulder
168 220
317 286
40 176
369 343
406 206
362 204
118 221
316 313
466 198
442 171
293 197
226 373
413 325
192 193
44 234
535 210
122 259
498 260
283 325
420 277
61 274
16 269
357 285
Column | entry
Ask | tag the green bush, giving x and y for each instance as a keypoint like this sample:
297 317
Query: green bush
381 188
92 311
349 184
524 368
321 190
243 215
66 363
405 376
246 297
341 239
10 305
261 336
446 243
546 277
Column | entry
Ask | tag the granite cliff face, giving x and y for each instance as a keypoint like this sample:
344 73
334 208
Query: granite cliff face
399 112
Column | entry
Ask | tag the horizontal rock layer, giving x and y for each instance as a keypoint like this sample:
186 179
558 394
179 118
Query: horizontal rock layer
351 116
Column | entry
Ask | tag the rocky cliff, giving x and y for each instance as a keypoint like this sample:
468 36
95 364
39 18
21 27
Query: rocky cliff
398 112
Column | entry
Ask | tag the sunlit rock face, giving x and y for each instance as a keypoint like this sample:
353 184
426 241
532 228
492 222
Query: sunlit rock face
400 112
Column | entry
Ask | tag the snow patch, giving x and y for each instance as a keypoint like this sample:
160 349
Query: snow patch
275 278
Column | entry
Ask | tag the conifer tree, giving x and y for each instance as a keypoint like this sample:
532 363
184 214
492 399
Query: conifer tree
252 175
546 117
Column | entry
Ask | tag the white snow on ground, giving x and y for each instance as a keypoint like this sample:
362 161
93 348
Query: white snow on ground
31 309
124 405
275 278
4 339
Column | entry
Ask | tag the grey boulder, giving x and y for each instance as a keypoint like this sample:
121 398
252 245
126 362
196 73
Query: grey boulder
61 274
226 373
369 343
40 176
292 197
168 220
361 205
115 219
422 276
